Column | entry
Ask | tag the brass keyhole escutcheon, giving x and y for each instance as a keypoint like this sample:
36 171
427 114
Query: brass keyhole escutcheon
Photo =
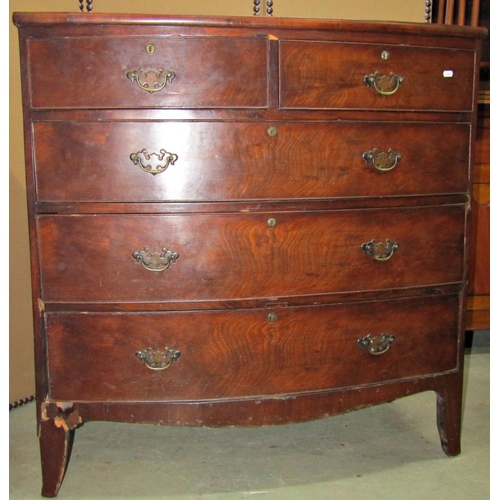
150 48
271 222
385 55
272 131
272 317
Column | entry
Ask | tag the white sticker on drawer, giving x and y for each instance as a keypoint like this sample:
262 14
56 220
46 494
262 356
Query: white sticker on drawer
448 73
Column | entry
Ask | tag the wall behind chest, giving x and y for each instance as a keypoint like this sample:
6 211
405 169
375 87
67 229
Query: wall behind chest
21 366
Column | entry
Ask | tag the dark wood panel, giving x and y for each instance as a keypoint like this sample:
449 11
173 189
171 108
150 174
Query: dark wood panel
66 24
478 305
288 301
479 276
242 354
235 256
482 147
249 115
322 75
248 206
269 410
478 319
88 72
234 161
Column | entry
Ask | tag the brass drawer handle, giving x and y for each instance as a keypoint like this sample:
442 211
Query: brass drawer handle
155 261
376 345
384 85
157 360
151 80
381 251
381 160
153 163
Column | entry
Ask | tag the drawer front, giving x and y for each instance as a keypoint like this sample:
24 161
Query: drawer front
234 256
199 161
326 75
140 72
225 354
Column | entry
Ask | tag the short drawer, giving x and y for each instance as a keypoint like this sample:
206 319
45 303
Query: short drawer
200 161
141 72
329 75
190 257
238 353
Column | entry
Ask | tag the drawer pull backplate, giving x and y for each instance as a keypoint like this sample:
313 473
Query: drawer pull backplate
153 163
381 160
155 261
381 251
383 84
157 360
376 345
151 80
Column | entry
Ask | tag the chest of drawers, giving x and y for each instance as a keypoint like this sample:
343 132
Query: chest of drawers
244 221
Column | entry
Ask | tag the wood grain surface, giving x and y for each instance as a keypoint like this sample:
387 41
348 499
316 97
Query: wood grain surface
241 353
235 256
239 160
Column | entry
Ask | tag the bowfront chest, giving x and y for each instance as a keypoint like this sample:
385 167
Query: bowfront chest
244 221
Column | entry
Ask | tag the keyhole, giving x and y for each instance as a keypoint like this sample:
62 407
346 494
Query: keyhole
272 317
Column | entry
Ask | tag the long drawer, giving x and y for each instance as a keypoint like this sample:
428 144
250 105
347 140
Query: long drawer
329 75
200 161
226 354
141 72
155 258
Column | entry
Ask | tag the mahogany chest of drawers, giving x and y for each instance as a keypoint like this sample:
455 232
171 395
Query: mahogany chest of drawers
244 221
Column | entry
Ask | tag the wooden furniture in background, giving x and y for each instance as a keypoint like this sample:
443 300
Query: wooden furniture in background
476 13
459 12
244 222
478 303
